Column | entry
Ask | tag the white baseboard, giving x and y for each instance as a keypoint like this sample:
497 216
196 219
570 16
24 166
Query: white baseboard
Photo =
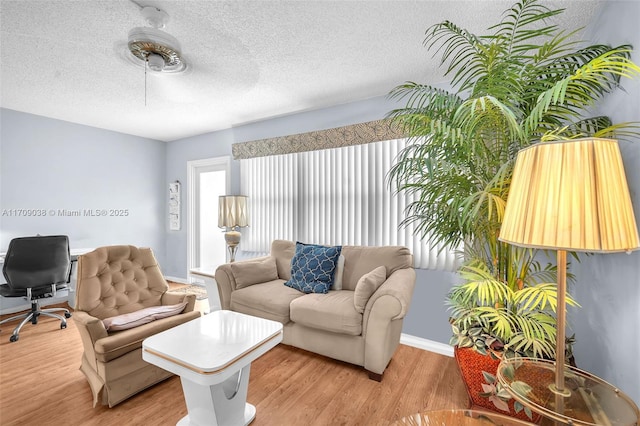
176 280
426 344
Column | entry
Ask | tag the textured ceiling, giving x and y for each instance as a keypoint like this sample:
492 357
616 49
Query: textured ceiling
248 60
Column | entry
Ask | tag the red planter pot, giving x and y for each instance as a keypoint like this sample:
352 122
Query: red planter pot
471 364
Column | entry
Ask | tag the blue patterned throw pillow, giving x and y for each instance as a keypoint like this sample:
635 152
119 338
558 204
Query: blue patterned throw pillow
313 267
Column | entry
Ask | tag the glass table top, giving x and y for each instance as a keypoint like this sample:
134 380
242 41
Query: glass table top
590 400
459 418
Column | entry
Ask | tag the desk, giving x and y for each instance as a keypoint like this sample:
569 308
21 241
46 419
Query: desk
213 355
207 274
10 305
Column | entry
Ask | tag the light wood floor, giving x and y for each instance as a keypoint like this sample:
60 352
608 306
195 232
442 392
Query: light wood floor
41 384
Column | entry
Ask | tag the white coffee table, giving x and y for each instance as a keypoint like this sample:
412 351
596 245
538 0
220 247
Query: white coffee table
212 355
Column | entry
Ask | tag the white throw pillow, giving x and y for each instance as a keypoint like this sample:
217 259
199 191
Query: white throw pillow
143 316
337 277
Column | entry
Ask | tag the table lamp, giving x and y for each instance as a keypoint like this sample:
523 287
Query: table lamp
232 214
569 196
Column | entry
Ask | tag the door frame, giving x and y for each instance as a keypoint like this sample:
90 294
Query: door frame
193 167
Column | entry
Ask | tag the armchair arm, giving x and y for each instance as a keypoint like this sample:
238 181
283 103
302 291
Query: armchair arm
171 298
92 325
227 283
91 329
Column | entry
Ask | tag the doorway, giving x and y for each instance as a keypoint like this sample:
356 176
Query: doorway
207 180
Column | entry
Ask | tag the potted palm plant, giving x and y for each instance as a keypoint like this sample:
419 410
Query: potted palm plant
526 80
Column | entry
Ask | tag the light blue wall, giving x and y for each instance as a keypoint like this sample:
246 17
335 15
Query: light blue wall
608 286
54 165
216 144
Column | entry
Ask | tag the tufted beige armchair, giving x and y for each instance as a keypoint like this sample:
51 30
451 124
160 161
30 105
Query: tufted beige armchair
116 284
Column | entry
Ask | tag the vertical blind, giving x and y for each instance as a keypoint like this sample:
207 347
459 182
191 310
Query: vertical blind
337 196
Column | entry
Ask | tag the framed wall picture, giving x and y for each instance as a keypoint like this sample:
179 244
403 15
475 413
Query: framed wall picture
174 206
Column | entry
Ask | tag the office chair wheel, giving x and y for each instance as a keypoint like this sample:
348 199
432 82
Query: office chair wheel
63 325
13 338
67 315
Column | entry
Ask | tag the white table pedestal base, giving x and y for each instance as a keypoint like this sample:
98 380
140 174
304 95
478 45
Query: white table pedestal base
221 404
213 355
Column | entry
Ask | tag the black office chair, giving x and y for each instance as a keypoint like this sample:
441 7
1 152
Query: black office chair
35 268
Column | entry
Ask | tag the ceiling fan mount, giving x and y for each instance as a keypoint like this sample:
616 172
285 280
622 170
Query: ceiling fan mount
152 47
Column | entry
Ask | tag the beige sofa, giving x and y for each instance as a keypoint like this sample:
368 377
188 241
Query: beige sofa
121 299
329 324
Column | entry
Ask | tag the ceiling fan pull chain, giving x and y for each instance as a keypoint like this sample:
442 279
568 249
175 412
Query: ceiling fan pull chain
146 62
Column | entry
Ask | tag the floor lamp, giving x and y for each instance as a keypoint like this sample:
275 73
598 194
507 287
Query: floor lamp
569 196
232 214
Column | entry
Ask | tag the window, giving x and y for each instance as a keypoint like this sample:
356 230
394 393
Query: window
337 196
207 180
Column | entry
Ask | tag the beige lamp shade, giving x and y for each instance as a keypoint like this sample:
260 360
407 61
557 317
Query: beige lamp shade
570 195
232 211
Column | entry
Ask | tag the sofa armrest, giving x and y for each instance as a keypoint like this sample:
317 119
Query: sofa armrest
399 285
173 298
227 283
383 317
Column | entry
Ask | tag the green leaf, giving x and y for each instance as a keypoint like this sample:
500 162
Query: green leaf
521 388
527 410
475 331
488 377
465 342
509 372
503 394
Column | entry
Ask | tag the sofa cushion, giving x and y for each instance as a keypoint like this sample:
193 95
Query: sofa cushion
142 316
313 268
367 285
254 272
269 300
333 312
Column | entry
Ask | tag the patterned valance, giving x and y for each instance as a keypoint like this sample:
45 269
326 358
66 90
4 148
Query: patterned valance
356 134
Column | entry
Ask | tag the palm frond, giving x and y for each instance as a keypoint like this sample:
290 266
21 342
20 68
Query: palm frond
579 90
457 45
520 24
540 297
501 321
624 131
536 335
480 285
